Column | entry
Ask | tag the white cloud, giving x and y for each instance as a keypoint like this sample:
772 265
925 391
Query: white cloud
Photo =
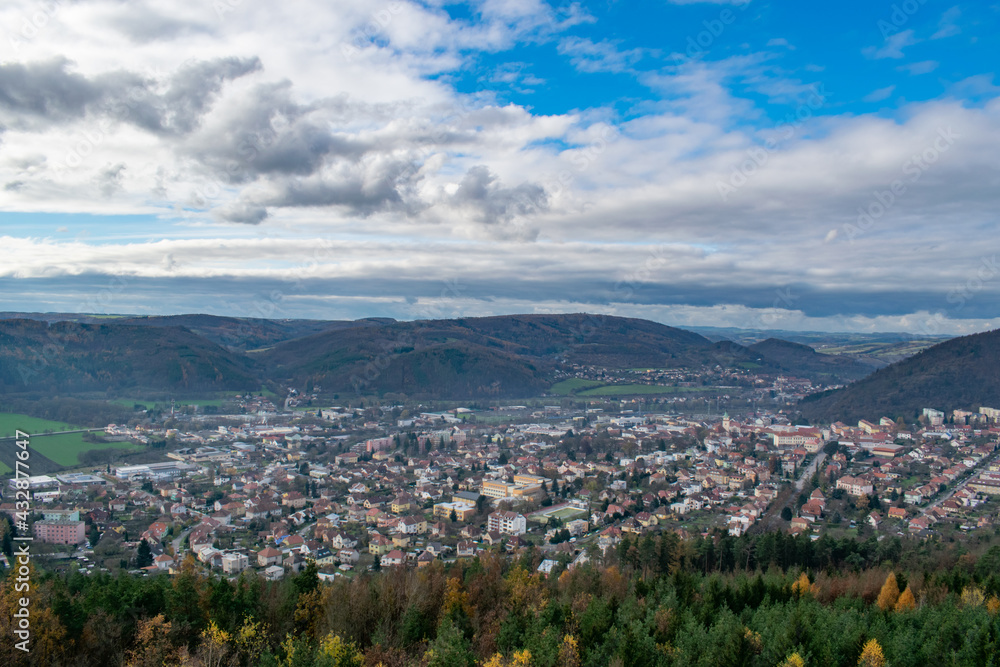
947 26
780 41
342 136
922 67
893 47
879 94
603 56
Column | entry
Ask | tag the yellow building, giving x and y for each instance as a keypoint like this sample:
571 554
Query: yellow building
494 489
463 510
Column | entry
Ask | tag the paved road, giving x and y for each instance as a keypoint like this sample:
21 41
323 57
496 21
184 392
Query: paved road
42 435
971 474
808 472
176 544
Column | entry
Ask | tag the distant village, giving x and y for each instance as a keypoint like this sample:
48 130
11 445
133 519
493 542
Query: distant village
350 489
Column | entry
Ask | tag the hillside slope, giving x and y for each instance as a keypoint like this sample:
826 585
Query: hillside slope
69 357
510 356
240 333
514 355
488 356
959 373
805 361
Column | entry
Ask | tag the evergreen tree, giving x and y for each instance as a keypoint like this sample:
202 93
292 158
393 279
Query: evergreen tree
144 555
450 648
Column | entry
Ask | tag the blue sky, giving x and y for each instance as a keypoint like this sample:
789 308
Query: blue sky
754 164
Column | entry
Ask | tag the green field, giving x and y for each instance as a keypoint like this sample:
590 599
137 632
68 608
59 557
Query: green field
10 422
543 516
65 449
566 513
5 469
632 389
573 385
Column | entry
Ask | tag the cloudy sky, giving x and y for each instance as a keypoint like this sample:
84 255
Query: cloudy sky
752 164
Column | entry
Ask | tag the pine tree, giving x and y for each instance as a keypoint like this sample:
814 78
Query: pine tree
144 555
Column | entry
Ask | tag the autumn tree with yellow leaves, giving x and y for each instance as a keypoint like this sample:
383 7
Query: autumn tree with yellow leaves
973 596
569 653
906 601
153 645
801 586
47 642
871 655
889 594
519 659
794 660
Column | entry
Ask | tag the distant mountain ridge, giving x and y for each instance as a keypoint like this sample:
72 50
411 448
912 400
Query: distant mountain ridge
960 373
510 355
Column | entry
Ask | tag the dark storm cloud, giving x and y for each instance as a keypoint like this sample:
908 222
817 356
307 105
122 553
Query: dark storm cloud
48 91
242 212
494 203
269 134
36 95
352 193
189 94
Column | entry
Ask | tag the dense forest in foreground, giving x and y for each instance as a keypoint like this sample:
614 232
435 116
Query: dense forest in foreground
755 600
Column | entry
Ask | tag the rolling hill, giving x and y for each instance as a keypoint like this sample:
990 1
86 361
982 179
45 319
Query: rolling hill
960 373
240 333
72 357
803 360
513 355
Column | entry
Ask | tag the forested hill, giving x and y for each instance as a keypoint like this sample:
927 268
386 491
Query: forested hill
508 356
67 357
241 333
803 360
960 373
512 355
